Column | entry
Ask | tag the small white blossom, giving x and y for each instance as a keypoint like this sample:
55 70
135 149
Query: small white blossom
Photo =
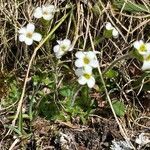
86 59
62 47
143 48
45 12
86 76
109 26
142 139
28 35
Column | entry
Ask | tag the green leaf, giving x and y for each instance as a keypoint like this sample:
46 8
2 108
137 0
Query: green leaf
131 6
111 74
138 82
97 9
107 33
66 91
47 81
48 109
146 87
140 79
136 54
119 108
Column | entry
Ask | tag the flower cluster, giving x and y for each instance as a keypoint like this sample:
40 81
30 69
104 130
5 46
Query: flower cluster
27 34
114 32
144 50
85 62
62 47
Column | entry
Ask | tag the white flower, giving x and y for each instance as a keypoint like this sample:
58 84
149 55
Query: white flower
86 76
86 59
62 47
142 139
28 35
47 12
146 65
143 48
109 26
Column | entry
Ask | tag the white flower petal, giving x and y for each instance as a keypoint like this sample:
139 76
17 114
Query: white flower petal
147 45
79 63
90 55
47 16
22 30
91 82
30 27
70 48
82 80
66 42
141 42
28 41
94 63
79 54
137 44
59 54
22 37
59 41
49 8
37 36
115 33
38 12
146 65
108 26
79 72
87 69
56 48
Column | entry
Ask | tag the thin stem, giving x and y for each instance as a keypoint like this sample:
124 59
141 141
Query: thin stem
124 134
26 53
20 122
115 62
30 63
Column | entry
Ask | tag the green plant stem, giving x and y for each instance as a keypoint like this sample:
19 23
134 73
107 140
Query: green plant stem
30 63
26 53
75 95
20 122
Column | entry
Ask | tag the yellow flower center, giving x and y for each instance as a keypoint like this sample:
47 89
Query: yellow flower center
87 76
45 13
142 48
86 60
29 34
147 58
63 47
